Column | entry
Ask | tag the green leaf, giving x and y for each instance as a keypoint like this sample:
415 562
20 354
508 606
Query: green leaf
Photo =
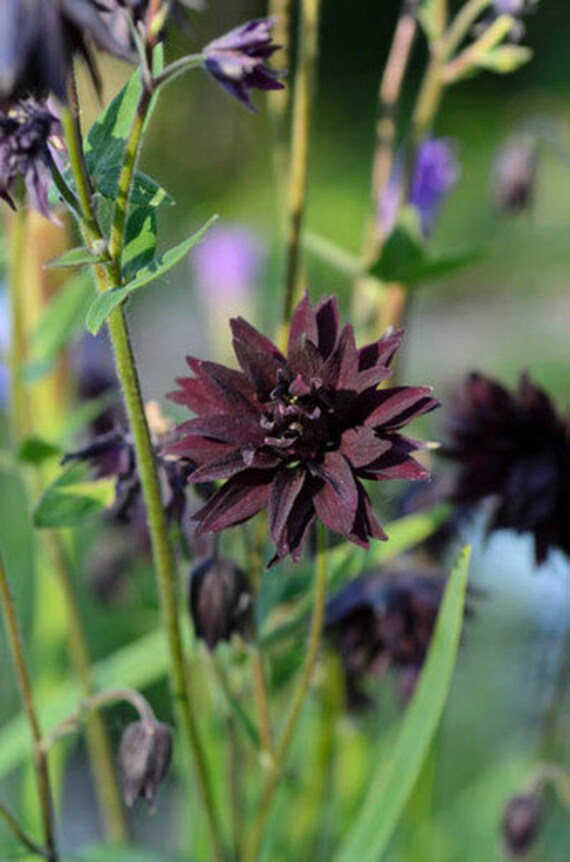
105 852
80 256
73 499
140 240
63 318
105 303
34 450
106 144
405 259
394 778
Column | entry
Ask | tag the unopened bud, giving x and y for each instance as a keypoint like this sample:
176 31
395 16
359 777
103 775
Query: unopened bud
220 601
144 757
514 174
522 820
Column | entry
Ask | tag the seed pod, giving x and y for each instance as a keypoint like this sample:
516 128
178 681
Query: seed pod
521 823
220 601
144 759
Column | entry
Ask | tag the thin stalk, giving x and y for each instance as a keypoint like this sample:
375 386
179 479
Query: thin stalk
461 25
299 698
163 556
19 833
300 134
24 684
386 128
278 104
261 702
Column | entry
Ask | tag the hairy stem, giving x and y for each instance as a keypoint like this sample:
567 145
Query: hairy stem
299 697
163 556
23 679
300 134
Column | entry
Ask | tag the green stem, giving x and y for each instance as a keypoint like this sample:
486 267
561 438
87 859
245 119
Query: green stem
22 676
278 105
461 25
163 556
300 134
19 833
18 408
299 697
177 68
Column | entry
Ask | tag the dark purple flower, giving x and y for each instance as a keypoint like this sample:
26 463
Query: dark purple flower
144 757
514 174
112 455
522 820
297 435
38 39
121 16
435 173
25 135
515 448
220 600
237 60
383 620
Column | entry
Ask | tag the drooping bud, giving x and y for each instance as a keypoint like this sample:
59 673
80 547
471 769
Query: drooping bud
144 758
522 819
514 174
220 601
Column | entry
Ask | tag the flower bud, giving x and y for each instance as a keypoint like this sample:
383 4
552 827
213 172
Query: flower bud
514 174
220 600
144 758
522 819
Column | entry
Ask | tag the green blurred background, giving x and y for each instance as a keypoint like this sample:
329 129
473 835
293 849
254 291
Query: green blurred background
510 311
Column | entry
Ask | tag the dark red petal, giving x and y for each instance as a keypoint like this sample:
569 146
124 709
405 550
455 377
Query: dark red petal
199 449
365 524
362 446
397 406
242 497
337 499
232 387
380 352
303 327
194 395
246 333
232 463
284 492
239 431
327 317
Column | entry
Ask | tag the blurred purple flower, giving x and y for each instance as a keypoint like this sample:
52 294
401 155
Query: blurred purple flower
226 266
25 135
435 173
237 60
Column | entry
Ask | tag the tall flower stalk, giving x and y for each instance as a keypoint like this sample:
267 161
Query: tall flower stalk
163 556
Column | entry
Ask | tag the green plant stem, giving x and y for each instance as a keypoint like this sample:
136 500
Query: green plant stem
19 833
260 689
386 127
18 408
22 676
461 25
299 697
163 555
278 105
300 135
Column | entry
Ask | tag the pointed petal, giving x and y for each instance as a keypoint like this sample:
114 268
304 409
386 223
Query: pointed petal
238 430
363 446
303 327
380 352
327 317
284 492
337 499
242 497
392 408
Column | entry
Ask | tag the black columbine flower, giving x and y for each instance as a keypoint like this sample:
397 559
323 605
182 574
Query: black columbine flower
113 455
297 435
237 60
220 600
25 134
144 759
383 620
38 39
521 823
516 448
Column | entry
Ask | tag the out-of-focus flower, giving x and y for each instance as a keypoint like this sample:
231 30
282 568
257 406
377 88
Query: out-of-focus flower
226 267
144 759
513 179
516 448
436 171
94 372
121 16
113 455
297 435
25 135
522 820
517 9
237 60
383 620
220 600
38 39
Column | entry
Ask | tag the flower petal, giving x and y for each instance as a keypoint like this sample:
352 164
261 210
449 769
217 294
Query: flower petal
240 498
286 488
395 407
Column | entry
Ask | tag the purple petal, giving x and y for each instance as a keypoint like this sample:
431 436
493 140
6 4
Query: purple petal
242 497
